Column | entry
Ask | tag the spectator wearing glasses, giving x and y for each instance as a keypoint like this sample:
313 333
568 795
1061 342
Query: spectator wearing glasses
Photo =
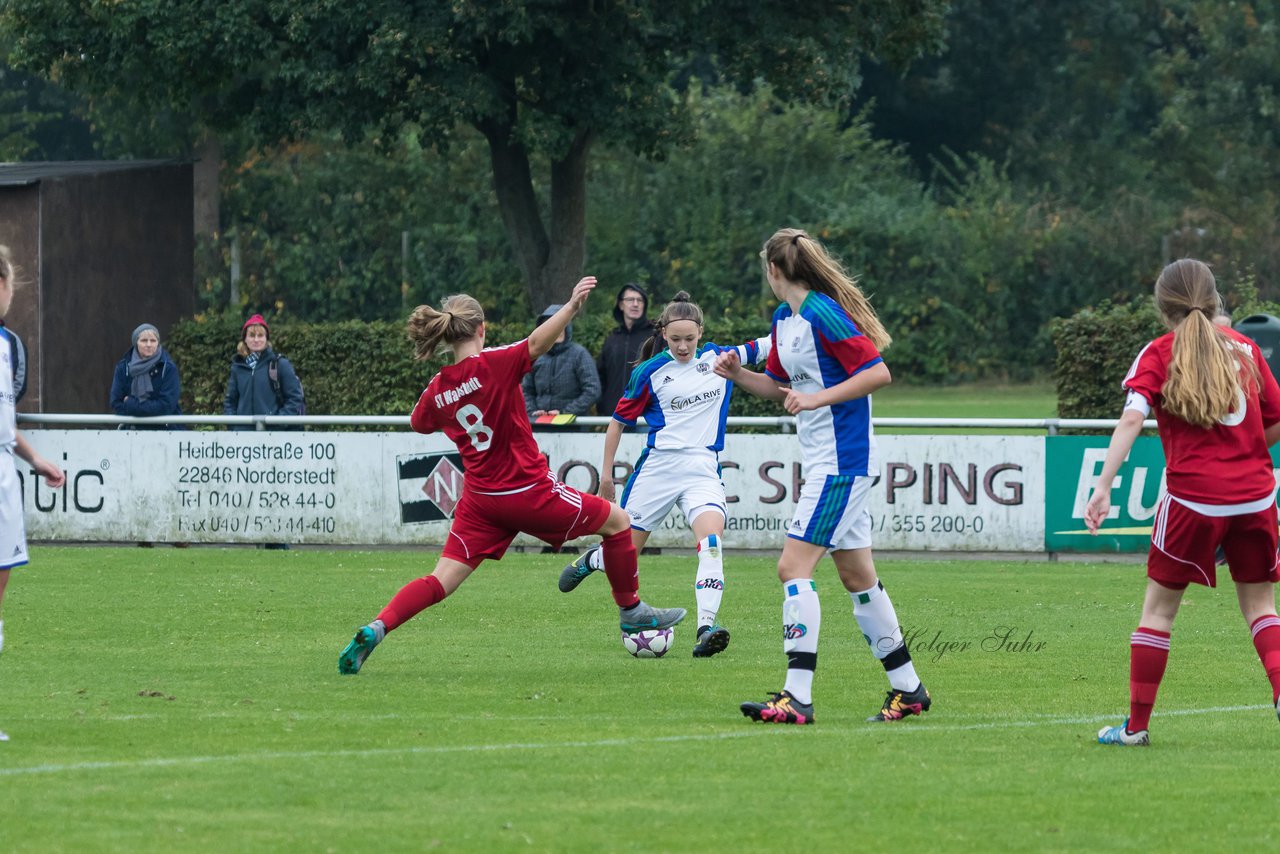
621 347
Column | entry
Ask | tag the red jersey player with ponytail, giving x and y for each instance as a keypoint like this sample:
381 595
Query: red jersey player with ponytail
1217 406
507 488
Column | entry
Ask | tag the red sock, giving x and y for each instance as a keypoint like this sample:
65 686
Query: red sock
620 568
1148 654
418 595
1266 640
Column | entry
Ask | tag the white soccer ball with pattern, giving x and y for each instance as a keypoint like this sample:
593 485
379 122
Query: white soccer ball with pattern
652 643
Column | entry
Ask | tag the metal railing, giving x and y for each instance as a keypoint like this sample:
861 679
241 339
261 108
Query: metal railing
783 423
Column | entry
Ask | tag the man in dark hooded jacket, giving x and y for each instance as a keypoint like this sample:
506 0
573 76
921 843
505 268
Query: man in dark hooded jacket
563 380
622 346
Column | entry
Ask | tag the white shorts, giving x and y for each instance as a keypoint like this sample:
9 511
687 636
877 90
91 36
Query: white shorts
13 530
690 477
832 512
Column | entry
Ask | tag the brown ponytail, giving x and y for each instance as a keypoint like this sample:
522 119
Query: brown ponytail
800 258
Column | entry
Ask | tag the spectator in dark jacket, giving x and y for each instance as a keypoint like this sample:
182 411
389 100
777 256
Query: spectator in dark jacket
622 346
146 381
563 380
249 388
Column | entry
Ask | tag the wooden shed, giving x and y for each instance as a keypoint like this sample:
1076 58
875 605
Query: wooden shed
100 247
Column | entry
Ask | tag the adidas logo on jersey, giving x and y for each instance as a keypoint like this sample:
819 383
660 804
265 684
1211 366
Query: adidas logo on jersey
668 378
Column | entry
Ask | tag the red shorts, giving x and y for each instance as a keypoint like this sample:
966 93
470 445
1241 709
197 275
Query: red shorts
1184 542
484 525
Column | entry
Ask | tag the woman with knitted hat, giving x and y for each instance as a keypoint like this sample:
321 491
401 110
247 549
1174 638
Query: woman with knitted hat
262 382
146 381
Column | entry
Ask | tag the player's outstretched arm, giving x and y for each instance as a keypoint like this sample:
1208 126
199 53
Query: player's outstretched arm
1122 439
859 385
51 473
729 366
544 337
612 437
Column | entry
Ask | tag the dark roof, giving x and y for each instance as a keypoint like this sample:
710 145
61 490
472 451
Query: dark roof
20 174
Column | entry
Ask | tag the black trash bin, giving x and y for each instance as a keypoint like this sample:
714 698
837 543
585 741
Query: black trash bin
1264 329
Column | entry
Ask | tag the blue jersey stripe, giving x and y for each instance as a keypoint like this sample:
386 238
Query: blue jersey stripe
835 321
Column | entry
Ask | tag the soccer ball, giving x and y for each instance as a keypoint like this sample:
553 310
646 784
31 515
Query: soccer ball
653 643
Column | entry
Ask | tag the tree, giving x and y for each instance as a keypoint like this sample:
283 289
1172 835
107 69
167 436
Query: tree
542 82
1167 108
39 121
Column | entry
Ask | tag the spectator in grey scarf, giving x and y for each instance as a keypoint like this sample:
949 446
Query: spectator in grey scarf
146 380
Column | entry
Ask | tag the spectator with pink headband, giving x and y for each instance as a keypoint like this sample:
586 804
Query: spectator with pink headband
262 382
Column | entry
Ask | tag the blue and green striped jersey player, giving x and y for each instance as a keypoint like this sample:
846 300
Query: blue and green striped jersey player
824 365
675 389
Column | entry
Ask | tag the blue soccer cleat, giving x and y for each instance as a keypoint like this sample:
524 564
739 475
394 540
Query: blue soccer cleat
1120 735
355 653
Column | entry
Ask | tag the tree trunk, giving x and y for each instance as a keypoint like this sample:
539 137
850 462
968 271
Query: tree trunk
568 225
551 263
518 204
206 213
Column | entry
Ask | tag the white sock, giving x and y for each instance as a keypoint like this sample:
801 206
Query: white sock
801 622
708 588
595 558
879 624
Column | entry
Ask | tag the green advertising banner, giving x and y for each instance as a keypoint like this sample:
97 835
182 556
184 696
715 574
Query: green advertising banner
1072 464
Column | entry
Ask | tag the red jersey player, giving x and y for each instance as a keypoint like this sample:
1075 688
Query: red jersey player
1218 409
507 488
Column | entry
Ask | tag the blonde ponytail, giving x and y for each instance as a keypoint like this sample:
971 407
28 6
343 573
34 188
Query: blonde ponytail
1208 372
458 318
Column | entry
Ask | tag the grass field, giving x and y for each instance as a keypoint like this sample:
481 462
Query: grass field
188 700
981 400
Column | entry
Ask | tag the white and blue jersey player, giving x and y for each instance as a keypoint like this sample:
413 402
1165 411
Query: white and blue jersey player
824 365
685 404
13 536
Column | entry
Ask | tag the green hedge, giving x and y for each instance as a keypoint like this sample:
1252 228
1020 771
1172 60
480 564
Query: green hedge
359 368
1096 347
